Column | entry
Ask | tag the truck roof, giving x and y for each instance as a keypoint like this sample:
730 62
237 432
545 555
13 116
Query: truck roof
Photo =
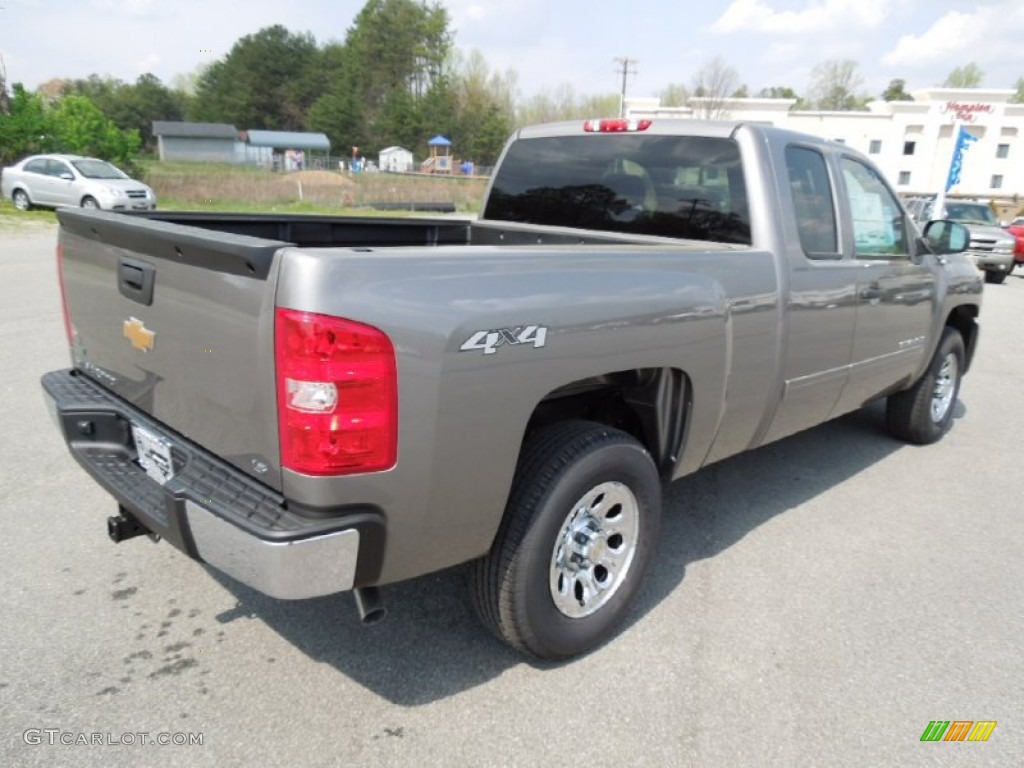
667 127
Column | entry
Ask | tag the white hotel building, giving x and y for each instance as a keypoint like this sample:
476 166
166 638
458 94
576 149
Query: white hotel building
911 141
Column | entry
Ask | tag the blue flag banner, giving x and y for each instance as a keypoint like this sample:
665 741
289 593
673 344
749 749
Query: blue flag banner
963 141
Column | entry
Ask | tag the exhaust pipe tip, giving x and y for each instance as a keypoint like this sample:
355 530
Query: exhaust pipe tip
368 603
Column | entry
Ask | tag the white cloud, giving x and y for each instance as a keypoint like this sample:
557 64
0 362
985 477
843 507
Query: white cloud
131 8
759 16
988 34
150 63
463 12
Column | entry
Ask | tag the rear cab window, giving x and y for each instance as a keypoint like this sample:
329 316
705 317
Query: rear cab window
670 186
813 202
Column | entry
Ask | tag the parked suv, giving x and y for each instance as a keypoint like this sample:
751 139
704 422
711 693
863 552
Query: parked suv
991 246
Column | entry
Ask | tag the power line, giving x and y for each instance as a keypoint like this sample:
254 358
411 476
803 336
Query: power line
626 69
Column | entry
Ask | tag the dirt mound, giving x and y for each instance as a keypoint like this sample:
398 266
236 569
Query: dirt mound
321 177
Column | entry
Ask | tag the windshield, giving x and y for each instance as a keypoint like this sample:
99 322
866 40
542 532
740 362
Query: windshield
97 169
670 186
970 213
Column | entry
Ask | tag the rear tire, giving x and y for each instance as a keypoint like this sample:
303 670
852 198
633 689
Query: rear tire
924 413
579 531
21 200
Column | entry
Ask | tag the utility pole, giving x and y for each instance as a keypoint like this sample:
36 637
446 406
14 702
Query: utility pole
626 68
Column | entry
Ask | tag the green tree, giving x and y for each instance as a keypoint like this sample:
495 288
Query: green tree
896 91
132 106
268 81
674 95
25 126
339 114
5 99
834 86
967 76
485 108
79 127
395 45
438 114
388 80
487 141
1018 97
778 92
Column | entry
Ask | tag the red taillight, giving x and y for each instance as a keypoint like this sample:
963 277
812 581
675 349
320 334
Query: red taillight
337 395
619 125
63 297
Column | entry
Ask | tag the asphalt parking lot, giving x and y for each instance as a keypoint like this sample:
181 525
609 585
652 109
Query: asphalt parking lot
814 603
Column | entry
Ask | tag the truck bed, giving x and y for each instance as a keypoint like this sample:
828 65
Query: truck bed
312 231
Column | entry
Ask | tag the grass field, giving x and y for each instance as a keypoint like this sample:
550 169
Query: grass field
189 186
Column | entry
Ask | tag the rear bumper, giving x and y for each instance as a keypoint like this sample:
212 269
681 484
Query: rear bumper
209 509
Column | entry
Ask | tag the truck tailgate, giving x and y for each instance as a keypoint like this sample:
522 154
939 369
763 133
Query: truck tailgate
179 322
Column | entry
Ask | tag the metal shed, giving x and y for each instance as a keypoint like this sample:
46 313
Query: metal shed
196 142
396 160
286 149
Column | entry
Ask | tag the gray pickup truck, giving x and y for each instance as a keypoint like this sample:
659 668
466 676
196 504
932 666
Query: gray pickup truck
321 404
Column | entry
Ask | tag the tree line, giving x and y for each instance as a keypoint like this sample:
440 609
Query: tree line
395 79
835 85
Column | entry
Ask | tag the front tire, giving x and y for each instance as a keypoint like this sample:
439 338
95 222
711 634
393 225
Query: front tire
21 200
924 413
579 531
994 277
90 203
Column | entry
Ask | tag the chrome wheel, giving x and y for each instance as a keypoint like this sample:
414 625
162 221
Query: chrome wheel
21 201
945 387
594 549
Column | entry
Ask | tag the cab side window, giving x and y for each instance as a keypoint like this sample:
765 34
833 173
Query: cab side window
879 224
55 168
813 202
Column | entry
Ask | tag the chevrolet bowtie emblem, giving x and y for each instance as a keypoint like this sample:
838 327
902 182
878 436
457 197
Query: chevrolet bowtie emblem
137 333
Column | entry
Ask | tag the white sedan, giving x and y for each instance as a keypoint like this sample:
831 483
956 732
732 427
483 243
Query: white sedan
54 180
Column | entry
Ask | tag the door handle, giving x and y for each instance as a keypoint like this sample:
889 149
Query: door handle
135 280
872 293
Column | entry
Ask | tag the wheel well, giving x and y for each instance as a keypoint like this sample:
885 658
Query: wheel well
964 319
651 404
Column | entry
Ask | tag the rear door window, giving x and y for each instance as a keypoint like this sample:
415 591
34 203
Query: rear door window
56 167
813 202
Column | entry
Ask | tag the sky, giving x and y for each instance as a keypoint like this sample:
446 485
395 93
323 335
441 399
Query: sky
550 43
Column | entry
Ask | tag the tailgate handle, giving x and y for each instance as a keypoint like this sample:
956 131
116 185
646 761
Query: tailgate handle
135 280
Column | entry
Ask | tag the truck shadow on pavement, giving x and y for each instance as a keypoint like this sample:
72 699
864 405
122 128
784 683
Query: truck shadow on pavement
431 646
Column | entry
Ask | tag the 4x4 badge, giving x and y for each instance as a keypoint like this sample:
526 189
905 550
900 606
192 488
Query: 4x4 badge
136 332
489 341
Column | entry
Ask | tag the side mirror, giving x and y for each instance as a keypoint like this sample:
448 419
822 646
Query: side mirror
944 237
